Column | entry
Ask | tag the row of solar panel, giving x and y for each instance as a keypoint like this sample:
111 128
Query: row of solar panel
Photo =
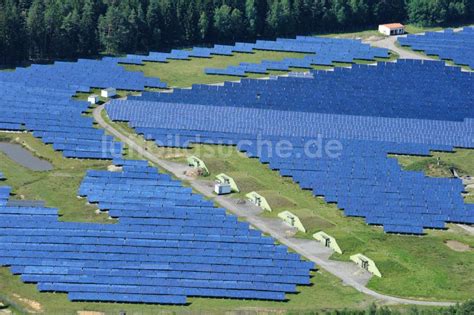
168 274
90 276
330 92
456 46
173 116
131 261
29 102
321 46
321 58
173 231
130 185
347 175
205 247
198 260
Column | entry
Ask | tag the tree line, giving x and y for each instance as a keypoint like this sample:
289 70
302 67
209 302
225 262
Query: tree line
61 29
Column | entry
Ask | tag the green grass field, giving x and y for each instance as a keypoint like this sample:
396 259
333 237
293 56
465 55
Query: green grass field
58 188
462 160
185 73
415 29
374 33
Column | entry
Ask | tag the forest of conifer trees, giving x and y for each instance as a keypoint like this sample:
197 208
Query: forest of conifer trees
33 30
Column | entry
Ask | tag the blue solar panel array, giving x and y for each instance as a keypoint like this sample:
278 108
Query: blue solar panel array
169 244
449 45
39 99
196 52
385 90
156 120
81 76
4 195
408 107
321 51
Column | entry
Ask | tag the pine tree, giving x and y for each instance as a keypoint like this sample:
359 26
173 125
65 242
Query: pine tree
203 25
190 18
279 20
3 34
359 11
142 30
169 25
113 31
13 47
288 21
251 17
223 22
88 41
341 12
133 38
70 30
261 21
322 15
153 24
53 18
40 29
274 19
237 23
36 30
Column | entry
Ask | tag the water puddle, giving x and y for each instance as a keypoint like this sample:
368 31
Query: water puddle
24 157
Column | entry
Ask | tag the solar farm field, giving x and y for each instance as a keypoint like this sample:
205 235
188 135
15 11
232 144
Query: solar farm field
386 253
184 73
59 188
398 256
52 188
455 46
123 223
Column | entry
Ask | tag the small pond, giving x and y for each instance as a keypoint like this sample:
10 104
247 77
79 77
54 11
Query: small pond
24 157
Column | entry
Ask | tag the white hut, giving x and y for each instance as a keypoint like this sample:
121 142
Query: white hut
392 29
109 92
93 99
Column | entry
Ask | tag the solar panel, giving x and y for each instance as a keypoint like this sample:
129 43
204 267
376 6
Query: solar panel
28 102
449 45
427 106
160 251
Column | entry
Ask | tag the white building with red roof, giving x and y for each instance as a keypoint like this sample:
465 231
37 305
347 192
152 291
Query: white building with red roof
392 29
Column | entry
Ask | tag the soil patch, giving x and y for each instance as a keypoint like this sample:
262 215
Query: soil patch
458 246
32 305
